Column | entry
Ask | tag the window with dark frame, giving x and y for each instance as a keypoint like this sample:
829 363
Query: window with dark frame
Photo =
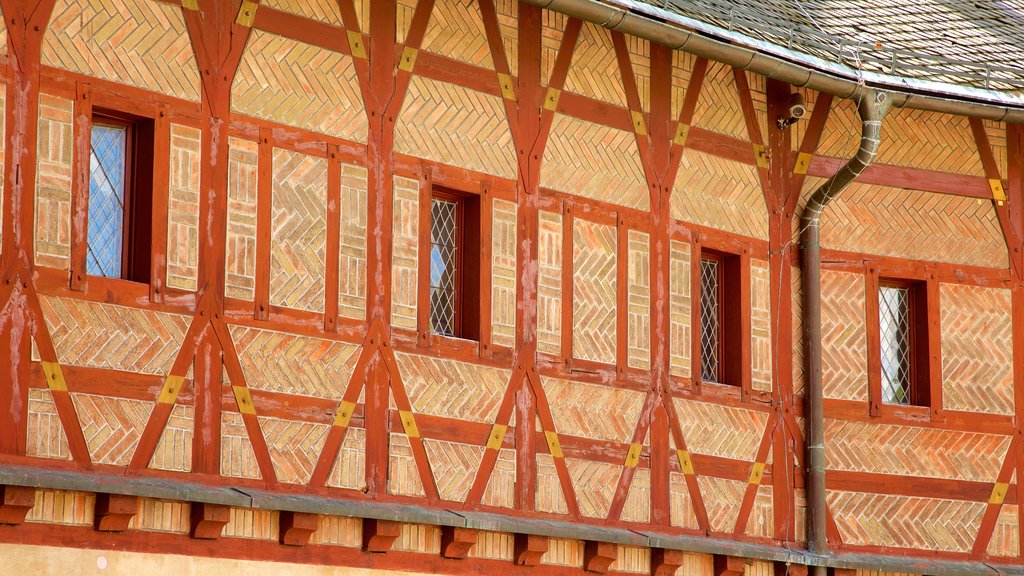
903 341
120 197
711 353
720 318
454 264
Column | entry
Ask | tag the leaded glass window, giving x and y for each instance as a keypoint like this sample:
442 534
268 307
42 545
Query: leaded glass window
710 319
895 332
107 180
444 257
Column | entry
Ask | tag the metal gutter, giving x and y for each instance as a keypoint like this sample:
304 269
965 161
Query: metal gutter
795 68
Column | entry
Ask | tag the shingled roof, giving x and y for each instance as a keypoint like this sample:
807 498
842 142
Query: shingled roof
977 44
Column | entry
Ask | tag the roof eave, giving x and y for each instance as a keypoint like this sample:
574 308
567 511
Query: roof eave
797 68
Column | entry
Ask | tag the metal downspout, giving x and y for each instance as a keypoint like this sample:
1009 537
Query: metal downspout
873 107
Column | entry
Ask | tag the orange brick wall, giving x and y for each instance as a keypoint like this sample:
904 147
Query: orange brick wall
594 291
152 51
183 208
313 88
591 175
53 182
299 231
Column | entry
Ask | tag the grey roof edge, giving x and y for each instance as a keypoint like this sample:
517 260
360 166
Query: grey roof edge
794 67
170 489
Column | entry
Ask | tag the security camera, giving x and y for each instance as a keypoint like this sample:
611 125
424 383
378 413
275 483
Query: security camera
797 109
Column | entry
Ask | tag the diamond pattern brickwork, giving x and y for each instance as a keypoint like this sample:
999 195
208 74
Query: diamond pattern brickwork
136 42
595 162
298 240
594 291
977 349
455 126
299 85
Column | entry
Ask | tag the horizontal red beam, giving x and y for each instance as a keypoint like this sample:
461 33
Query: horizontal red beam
905 177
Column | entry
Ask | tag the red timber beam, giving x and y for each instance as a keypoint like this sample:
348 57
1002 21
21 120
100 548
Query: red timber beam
529 116
218 32
21 317
1010 212
383 87
660 143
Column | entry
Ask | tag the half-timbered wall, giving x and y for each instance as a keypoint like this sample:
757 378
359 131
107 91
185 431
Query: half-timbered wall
283 343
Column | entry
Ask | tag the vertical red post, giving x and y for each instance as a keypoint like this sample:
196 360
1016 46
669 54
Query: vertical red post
380 181
26 22
81 138
781 196
661 145
527 214
218 41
